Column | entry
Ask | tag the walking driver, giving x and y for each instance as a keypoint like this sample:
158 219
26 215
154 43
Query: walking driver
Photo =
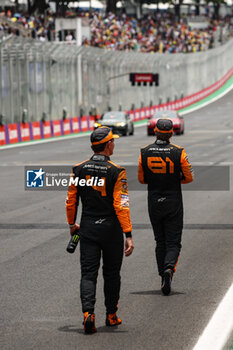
164 166
105 217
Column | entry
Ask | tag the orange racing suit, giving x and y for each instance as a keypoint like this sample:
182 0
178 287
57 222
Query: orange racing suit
164 166
105 216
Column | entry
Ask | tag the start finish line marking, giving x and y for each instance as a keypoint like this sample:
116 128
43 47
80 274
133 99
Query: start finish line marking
219 328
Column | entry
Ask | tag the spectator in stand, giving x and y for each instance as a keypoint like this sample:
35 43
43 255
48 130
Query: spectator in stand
159 32
42 27
69 37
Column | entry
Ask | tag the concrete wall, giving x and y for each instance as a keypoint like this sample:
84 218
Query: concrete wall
179 74
45 78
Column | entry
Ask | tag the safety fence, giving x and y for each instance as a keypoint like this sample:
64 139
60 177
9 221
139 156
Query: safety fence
39 130
46 81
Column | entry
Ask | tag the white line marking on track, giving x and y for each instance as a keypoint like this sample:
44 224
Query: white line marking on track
219 328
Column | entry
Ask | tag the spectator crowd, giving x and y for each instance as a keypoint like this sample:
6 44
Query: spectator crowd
42 27
158 32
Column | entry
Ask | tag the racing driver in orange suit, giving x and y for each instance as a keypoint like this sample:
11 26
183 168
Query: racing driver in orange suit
105 217
164 166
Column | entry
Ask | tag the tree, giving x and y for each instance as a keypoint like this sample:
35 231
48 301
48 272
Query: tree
216 4
40 5
111 6
177 4
197 5
17 5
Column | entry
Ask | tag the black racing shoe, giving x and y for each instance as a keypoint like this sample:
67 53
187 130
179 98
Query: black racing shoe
167 281
89 323
112 320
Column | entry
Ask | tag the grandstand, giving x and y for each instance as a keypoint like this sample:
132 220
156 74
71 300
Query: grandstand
43 78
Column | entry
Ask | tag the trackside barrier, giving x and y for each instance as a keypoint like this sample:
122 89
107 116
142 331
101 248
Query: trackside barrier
75 125
14 133
46 129
66 127
24 132
2 136
56 128
35 131
84 124
143 113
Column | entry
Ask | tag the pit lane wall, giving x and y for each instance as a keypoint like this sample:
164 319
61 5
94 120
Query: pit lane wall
38 130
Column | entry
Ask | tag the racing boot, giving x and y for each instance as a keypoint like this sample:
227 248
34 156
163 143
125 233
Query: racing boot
167 281
89 323
112 320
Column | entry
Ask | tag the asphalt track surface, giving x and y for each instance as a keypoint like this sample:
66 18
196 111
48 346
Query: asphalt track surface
40 301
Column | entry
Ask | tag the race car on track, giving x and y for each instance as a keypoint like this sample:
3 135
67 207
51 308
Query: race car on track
177 120
119 122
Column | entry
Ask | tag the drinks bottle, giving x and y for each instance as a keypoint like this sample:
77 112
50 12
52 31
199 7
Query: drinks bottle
73 243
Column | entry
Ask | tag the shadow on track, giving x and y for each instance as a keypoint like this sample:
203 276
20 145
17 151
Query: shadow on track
154 292
103 329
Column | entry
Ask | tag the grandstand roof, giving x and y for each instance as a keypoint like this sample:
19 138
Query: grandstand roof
6 3
86 4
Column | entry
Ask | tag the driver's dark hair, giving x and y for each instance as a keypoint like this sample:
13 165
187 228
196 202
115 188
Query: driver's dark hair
162 136
98 148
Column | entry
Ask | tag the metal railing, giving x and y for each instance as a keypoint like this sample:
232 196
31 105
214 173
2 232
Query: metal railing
51 81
